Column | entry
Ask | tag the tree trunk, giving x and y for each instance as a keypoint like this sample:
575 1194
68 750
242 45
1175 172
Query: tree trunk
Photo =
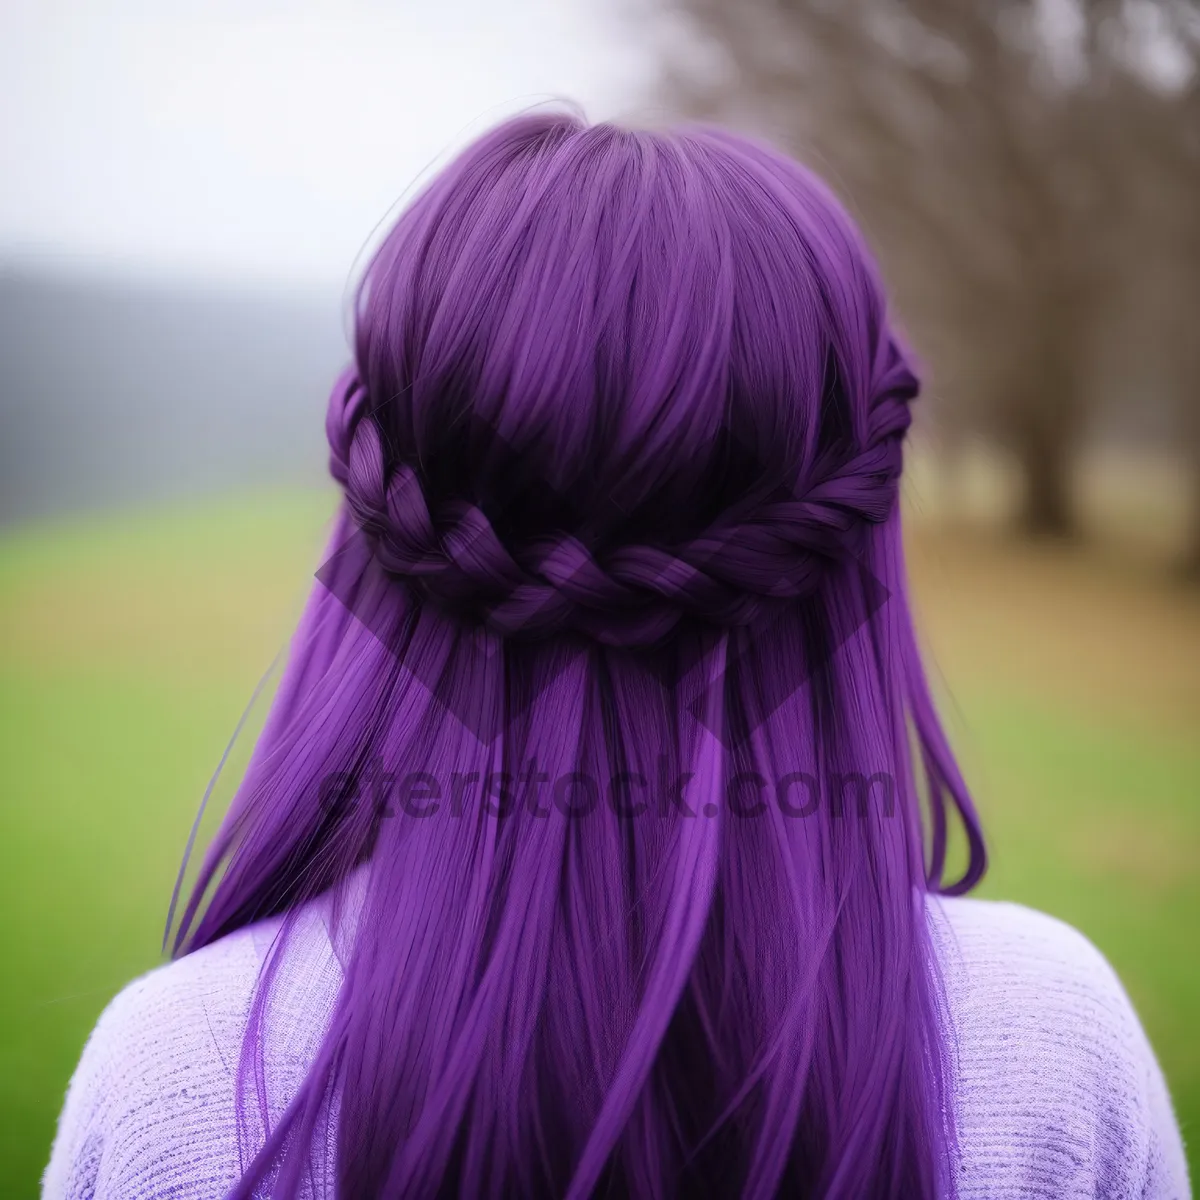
1191 557
1187 435
1189 429
1041 419
1044 448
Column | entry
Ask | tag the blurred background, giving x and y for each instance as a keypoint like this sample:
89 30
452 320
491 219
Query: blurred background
189 190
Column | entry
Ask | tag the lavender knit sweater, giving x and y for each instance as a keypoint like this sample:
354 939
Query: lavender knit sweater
1058 1091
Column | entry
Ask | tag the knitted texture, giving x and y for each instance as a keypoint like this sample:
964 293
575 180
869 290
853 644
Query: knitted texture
1058 1092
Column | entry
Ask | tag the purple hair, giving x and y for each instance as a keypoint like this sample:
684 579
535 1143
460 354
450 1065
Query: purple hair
620 453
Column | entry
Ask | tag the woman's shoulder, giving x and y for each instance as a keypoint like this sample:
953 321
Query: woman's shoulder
159 1070
1011 945
212 982
1055 1076
190 1009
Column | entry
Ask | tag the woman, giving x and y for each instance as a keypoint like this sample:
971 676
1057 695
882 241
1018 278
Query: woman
582 853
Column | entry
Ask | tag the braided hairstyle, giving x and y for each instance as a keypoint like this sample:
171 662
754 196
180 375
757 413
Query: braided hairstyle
679 452
448 550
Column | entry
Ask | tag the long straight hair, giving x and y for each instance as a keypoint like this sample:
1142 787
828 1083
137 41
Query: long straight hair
620 450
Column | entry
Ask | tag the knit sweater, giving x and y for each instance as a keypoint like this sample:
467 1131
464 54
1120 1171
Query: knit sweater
1057 1091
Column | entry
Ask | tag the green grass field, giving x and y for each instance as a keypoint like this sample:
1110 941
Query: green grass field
129 646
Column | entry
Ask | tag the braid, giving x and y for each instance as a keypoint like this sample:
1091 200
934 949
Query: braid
631 595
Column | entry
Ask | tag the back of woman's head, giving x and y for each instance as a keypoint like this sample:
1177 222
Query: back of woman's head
633 341
608 698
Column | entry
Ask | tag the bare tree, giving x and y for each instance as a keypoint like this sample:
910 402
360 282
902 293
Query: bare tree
985 145
1177 150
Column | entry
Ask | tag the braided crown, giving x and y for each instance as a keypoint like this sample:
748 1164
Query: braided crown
631 595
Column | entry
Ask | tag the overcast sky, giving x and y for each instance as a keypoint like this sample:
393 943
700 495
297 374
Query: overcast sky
263 140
